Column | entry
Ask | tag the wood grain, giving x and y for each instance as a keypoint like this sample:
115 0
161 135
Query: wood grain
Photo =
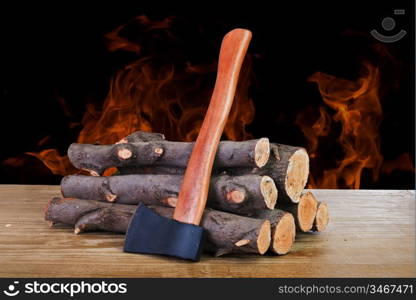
370 234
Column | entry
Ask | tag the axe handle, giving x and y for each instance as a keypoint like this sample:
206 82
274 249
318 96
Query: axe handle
194 190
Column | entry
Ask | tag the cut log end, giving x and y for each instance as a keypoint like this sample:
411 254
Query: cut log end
307 209
269 191
111 197
122 141
78 230
124 153
242 242
262 152
158 151
322 217
297 174
170 201
284 235
264 237
92 172
236 196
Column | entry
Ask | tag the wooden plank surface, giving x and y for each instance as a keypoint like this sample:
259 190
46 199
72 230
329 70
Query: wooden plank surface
371 234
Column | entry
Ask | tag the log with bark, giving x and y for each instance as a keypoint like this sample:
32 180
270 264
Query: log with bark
238 194
288 166
142 136
304 212
283 229
322 217
226 233
97 158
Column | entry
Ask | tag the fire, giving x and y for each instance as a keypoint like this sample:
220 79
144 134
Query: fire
168 93
355 107
152 94
58 164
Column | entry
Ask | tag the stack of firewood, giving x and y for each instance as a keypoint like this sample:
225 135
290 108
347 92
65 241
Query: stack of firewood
256 198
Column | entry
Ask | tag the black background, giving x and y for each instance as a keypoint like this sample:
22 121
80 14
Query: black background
50 52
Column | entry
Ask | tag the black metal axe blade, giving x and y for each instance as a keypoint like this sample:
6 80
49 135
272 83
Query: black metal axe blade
153 234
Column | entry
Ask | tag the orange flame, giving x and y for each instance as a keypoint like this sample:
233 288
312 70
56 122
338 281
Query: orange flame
59 165
170 98
358 112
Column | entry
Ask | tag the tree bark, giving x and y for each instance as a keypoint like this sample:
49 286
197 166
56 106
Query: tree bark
97 158
322 217
304 212
238 194
288 166
124 189
89 215
142 136
151 170
226 233
283 229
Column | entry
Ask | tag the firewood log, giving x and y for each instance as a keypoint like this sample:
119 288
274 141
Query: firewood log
226 233
97 158
283 229
322 217
288 166
239 194
304 212
142 136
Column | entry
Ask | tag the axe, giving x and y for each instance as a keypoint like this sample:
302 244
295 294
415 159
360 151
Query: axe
181 236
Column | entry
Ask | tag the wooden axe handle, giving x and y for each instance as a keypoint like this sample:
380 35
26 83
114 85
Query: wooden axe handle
194 190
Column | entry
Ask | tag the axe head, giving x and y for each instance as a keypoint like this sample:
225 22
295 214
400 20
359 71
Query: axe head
153 234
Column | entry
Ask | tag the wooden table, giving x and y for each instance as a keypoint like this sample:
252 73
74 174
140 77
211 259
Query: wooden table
371 234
